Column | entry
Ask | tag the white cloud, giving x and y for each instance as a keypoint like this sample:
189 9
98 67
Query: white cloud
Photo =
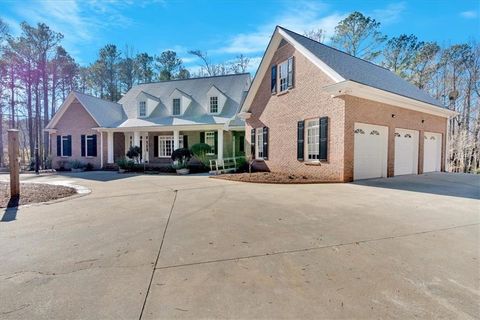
390 14
303 17
470 14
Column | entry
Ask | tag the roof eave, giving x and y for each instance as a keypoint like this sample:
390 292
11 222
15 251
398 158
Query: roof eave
356 89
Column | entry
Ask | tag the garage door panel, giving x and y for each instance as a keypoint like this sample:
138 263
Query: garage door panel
370 151
432 152
406 152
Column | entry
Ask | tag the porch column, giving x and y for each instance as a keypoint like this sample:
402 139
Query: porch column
176 137
136 138
109 147
220 144
101 149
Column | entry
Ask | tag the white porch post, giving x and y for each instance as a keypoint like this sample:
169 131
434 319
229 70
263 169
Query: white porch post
136 138
176 137
109 147
220 144
101 149
233 145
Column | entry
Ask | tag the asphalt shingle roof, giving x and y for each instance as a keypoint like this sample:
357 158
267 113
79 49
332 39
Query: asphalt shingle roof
361 71
106 113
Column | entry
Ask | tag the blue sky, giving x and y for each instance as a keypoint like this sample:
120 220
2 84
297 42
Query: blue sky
228 28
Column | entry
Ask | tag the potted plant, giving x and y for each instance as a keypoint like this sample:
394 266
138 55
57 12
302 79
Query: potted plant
76 166
180 159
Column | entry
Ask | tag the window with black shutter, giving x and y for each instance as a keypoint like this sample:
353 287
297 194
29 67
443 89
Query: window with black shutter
155 146
64 146
273 79
89 145
300 140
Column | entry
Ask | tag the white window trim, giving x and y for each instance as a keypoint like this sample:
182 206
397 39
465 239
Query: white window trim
171 139
210 105
180 106
63 138
87 138
258 145
281 66
210 135
140 105
306 151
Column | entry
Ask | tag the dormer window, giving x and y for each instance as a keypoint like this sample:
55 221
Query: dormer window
213 104
176 110
142 109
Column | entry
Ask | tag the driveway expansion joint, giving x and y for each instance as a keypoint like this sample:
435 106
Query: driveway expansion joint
175 192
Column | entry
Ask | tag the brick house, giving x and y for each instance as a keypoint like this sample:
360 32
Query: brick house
158 117
315 110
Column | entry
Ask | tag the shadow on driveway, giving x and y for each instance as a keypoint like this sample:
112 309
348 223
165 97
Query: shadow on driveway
447 184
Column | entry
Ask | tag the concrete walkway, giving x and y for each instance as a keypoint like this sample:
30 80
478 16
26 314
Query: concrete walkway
150 247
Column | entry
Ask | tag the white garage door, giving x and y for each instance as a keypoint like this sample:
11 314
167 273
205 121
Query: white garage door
370 151
432 152
406 152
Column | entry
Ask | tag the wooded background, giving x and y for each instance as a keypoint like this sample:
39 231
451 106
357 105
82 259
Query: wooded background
37 73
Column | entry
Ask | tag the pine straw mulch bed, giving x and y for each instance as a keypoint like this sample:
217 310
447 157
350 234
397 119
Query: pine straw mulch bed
270 177
33 193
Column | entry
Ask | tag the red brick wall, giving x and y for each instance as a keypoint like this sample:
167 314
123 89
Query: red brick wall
371 112
281 113
75 122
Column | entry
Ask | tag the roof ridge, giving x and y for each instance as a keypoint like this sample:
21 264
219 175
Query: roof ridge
92 96
196 78
333 48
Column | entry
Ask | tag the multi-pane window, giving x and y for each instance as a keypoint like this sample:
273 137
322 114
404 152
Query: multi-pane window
210 140
66 146
259 143
142 109
213 104
176 107
313 138
283 76
166 145
90 146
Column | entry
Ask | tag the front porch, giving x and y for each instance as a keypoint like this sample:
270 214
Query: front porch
157 144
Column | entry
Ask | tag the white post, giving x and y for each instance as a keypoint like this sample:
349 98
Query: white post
136 138
176 137
101 149
220 144
110 147
233 144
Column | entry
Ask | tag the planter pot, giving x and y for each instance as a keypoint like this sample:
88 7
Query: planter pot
183 171
121 170
77 169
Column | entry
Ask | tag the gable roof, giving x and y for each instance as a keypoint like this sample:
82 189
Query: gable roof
346 70
105 113
362 71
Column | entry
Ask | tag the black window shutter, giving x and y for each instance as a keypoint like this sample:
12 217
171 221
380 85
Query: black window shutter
59 146
202 137
216 142
69 146
291 71
185 141
265 143
82 144
323 139
155 146
300 140
94 146
273 79
252 143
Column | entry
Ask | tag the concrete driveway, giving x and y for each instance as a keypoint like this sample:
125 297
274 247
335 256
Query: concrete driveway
150 247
